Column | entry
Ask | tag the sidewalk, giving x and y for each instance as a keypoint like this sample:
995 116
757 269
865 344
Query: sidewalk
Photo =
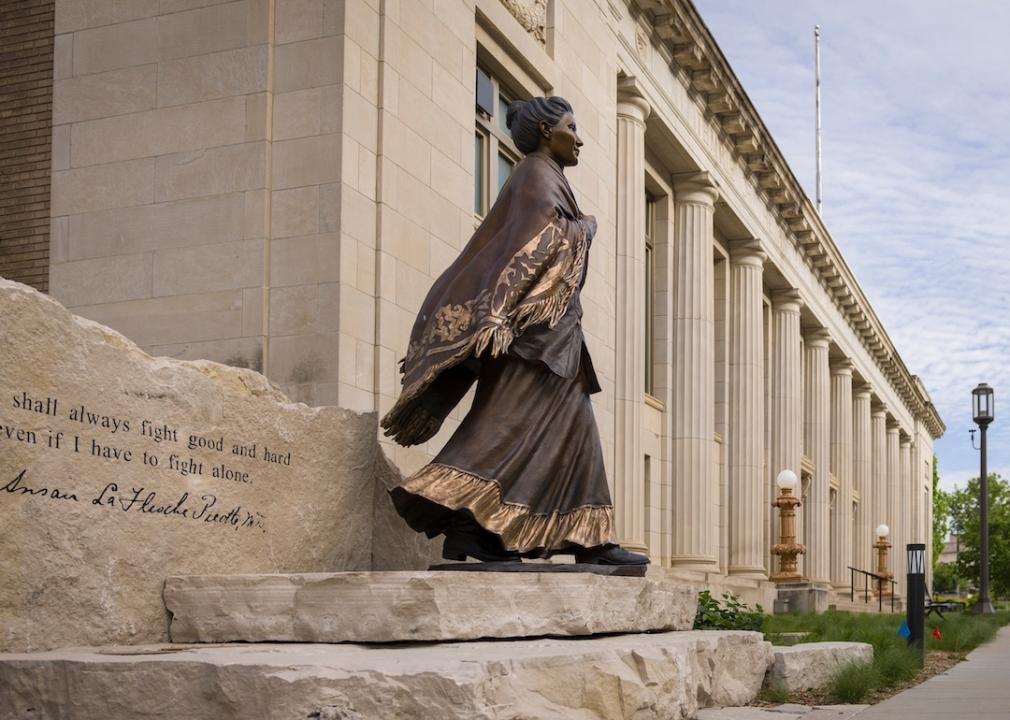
978 688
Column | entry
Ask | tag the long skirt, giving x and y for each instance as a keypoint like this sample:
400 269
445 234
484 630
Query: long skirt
526 463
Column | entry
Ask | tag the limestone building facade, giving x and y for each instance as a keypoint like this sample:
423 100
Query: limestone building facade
276 184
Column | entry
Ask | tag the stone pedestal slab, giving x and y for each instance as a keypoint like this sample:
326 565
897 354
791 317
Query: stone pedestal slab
408 606
669 675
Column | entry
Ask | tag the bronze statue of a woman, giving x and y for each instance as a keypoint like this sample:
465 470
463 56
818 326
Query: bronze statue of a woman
523 475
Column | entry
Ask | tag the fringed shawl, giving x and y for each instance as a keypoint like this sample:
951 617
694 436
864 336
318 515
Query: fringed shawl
520 268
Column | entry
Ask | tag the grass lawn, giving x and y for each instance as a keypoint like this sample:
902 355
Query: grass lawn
894 665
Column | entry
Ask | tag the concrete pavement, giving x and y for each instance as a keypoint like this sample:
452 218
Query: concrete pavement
978 688
789 711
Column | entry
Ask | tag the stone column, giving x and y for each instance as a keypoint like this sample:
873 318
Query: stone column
817 413
893 484
786 415
877 504
745 432
904 514
841 463
915 488
629 372
693 414
862 474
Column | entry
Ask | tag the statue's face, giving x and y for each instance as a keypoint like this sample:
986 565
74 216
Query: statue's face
563 141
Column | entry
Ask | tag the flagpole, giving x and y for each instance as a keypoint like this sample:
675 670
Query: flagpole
817 79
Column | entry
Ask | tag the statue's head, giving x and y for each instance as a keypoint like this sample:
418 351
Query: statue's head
546 124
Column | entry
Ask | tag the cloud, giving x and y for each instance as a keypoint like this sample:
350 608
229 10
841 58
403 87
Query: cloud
959 479
916 173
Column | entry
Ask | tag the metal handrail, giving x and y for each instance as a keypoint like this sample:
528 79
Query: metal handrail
866 587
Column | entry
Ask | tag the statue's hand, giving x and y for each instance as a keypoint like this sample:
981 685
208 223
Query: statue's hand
417 427
589 223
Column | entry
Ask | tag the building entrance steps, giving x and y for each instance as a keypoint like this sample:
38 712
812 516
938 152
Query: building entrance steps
420 606
860 605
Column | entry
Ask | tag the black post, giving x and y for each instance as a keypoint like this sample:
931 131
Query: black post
916 613
984 606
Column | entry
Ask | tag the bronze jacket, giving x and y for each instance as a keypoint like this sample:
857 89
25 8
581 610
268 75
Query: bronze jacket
514 287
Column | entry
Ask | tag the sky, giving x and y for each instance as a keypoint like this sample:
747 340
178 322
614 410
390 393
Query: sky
915 107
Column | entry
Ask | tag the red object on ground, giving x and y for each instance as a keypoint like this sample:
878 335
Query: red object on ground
936 633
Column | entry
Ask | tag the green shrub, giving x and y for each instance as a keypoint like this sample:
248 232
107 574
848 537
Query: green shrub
732 615
853 682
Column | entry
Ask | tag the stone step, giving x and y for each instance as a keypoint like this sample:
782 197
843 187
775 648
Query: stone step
663 675
422 605
859 605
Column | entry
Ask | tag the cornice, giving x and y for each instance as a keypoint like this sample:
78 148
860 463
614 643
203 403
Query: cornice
696 60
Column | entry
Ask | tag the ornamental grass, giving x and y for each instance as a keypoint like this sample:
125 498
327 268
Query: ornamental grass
894 663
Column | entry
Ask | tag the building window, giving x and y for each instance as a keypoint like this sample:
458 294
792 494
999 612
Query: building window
495 155
479 175
650 294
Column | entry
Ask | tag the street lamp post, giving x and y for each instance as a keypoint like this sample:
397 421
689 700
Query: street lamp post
787 548
982 413
883 574
916 611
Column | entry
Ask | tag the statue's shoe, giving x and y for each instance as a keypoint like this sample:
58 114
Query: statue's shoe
466 538
609 555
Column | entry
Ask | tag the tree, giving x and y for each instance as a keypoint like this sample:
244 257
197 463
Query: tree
945 578
964 516
941 510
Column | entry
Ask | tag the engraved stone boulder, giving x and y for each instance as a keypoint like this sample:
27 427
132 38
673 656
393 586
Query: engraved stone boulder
406 606
118 469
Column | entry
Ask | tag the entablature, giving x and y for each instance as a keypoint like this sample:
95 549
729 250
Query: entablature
697 62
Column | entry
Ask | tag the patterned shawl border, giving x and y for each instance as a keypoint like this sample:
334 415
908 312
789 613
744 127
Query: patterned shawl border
411 425
520 528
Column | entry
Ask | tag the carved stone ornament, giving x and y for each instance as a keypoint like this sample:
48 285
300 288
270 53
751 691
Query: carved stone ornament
532 15
641 41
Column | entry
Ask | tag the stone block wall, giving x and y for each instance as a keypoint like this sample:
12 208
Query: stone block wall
26 84
160 173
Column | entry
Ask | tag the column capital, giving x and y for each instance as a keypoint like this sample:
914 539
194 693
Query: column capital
631 105
905 441
698 188
817 338
893 426
842 367
747 252
863 392
879 413
787 300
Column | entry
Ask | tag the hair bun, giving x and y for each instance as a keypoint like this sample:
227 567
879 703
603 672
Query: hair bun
513 111
524 117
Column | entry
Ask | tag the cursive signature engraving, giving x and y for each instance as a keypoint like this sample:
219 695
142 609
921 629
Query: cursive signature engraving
184 506
20 486
205 509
